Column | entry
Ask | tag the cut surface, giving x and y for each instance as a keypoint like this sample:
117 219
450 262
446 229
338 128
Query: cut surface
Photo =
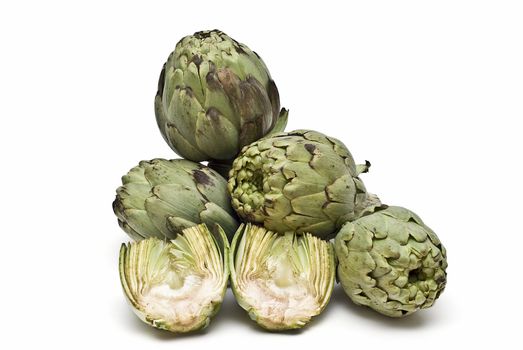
181 299
281 280
176 285
277 303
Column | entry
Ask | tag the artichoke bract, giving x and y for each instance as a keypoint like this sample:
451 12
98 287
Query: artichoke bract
300 181
161 197
391 261
282 280
176 285
215 96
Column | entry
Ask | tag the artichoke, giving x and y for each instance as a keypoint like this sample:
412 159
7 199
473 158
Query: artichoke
215 96
176 285
281 280
300 181
162 197
391 261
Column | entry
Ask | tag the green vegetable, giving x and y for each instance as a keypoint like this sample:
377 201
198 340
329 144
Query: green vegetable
162 197
281 280
176 285
300 181
391 261
215 96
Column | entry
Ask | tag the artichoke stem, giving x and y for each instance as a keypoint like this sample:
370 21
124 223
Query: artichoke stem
363 168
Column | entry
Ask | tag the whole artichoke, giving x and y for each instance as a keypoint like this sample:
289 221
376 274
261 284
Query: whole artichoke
391 261
215 96
176 285
161 197
300 181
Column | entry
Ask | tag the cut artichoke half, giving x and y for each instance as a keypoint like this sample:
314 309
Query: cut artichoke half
282 280
176 285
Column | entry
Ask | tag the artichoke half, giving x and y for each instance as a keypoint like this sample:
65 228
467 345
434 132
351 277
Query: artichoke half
176 285
391 261
281 280
215 96
161 197
300 181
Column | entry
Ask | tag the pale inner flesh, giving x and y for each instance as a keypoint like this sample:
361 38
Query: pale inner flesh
279 293
181 299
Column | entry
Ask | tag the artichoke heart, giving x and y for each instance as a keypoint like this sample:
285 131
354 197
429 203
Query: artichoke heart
282 280
391 262
160 197
299 181
176 285
215 95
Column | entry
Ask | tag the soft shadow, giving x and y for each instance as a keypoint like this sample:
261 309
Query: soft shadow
230 312
421 318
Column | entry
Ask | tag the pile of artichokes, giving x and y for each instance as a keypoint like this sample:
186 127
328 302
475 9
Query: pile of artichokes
279 216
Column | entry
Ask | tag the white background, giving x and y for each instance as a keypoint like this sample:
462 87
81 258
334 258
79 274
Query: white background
429 91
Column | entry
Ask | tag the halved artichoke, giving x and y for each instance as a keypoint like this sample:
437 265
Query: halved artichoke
282 280
176 285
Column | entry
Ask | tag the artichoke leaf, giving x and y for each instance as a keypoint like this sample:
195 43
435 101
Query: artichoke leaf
212 126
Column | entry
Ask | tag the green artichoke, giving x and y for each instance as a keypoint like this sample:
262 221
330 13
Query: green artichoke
162 197
300 181
176 285
215 96
281 280
391 261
